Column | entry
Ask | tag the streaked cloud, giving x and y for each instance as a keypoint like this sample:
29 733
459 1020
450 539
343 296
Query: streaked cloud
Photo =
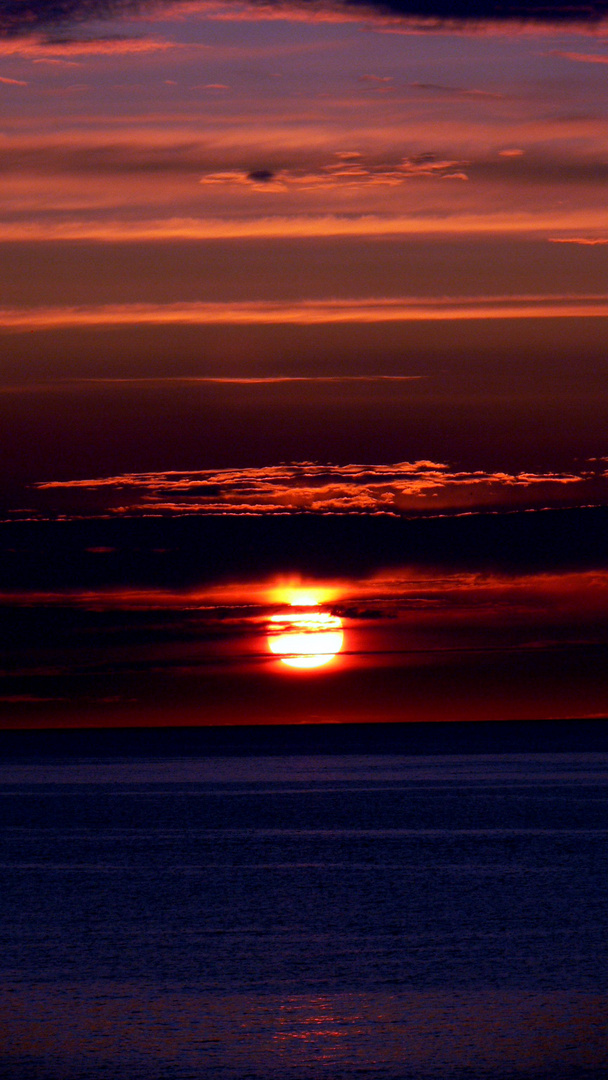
407 592
581 58
420 487
585 241
305 312
60 386
36 47
490 223
439 90
399 617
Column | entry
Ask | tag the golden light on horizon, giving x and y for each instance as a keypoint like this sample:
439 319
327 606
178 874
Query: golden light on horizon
305 639
294 592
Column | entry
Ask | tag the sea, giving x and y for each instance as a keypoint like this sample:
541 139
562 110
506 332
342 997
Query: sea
344 915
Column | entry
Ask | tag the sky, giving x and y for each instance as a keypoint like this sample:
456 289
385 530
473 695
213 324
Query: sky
303 309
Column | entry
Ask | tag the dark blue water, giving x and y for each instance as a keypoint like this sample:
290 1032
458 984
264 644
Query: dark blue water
311 917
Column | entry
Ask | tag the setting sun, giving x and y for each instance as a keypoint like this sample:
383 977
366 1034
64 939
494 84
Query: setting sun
305 639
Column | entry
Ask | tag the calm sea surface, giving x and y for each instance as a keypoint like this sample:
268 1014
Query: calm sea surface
311 917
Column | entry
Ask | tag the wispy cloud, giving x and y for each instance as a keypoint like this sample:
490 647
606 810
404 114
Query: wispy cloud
581 58
439 90
419 487
304 312
59 386
39 45
36 47
585 241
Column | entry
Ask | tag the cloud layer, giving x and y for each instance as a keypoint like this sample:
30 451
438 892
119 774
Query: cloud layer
407 488
305 312
26 16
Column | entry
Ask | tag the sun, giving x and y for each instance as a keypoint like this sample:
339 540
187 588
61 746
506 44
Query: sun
306 638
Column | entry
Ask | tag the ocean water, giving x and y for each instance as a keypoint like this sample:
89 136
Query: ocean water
342 917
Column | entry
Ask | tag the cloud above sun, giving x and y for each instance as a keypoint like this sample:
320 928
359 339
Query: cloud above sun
407 488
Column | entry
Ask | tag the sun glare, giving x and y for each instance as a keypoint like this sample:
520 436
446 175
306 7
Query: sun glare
306 639
304 598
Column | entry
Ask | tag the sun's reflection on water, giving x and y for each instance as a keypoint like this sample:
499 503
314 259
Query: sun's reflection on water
313 1026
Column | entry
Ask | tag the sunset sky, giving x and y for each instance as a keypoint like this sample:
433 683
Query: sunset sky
303 296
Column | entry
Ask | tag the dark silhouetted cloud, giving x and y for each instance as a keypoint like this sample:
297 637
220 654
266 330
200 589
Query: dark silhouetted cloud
35 16
27 16
261 176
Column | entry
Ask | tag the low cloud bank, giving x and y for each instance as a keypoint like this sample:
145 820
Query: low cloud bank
419 488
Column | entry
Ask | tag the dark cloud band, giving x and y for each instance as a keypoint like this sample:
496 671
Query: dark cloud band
27 16
35 16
